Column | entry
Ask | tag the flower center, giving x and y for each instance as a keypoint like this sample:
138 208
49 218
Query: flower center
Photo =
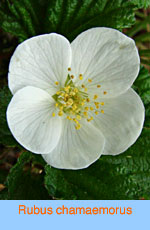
75 103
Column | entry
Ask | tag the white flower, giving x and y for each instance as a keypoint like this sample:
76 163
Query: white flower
74 102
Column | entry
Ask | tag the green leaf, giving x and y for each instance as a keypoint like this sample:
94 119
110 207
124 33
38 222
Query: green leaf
140 25
24 180
145 53
126 176
143 37
24 18
3 174
6 137
142 3
142 86
144 61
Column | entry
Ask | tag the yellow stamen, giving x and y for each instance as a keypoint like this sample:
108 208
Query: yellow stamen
72 93
97 106
95 97
70 102
58 92
66 89
68 117
78 110
66 95
102 111
98 86
69 69
89 80
56 82
102 103
60 113
78 117
72 112
61 107
80 76
74 107
53 114
82 86
104 92
96 112
90 119
76 90
85 114
88 100
56 104
86 108
72 76
78 126
75 120
85 89
91 108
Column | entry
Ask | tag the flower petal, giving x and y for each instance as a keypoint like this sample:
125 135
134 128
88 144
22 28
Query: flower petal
122 122
30 120
77 148
106 56
40 61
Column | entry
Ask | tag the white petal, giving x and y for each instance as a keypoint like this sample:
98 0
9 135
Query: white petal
30 120
40 61
106 56
122 122
77 148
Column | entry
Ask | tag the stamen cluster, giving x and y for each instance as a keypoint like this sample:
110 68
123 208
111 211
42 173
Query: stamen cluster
75 103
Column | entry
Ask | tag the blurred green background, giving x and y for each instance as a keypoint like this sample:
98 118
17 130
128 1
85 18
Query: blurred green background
24 175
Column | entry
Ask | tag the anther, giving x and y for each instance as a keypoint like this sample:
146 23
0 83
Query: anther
104 92
60 113
80 76
95 97
56 82
66 89
89 80
98 86
58 92
69 102
96 112
86 108
74 107
102 111
61 107
78 126
90 119
72 76
53 114
78 117
75 90
69 69
85 114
